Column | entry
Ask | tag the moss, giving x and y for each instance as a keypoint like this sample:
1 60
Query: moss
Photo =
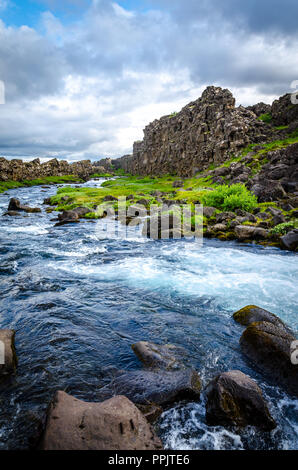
243 315
267 117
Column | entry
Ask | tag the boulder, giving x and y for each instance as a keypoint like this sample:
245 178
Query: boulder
234 399
156 227
156 356
15 205
67 217
269 347
8 358
109 198
115 424
209 211
81 211
244 232
290 240
251 314
158 387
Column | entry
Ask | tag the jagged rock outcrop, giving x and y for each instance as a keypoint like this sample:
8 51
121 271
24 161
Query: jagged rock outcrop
260 108
207 131
17 170
284 112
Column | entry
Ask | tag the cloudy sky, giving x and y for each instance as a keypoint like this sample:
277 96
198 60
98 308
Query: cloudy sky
84 77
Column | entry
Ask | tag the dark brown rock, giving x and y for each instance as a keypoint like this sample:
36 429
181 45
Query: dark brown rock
115 424
269 347
234 399
290 240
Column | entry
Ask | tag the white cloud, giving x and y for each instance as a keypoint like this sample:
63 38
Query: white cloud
87 89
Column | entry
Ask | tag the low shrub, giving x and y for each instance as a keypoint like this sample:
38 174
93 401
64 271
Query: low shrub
230 198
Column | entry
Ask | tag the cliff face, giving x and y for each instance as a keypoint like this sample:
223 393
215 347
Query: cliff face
207 131
17 170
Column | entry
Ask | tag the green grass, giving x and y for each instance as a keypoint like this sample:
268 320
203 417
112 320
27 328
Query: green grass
5 185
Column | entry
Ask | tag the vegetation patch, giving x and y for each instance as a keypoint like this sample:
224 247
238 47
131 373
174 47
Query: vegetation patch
5 185
230 198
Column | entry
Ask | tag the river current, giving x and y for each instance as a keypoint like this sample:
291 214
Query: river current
78 300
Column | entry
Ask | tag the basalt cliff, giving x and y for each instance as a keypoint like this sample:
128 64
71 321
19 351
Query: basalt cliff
206 132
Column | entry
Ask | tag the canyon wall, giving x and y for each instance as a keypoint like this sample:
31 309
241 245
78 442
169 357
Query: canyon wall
207 131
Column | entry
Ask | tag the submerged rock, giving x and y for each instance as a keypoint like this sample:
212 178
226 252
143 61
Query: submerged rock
269 347
233 398
157 356
158 387
115 424
251 314
8 358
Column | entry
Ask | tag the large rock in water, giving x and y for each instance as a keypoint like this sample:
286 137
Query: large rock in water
157 356
8 358
15 205
233 398
115 424
67 217
251 314
157 387
269 347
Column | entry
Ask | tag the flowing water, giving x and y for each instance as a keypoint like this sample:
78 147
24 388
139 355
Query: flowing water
78 300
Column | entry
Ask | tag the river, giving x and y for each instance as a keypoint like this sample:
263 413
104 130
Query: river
78 300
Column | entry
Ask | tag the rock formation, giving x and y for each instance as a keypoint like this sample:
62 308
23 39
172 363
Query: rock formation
17 170
207 131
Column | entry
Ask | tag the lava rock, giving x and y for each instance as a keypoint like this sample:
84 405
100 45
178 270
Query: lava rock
208 211
233 398
67 217
8 358
115 424
269 347
159 387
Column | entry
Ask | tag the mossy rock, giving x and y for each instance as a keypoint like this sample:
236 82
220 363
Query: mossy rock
233 398
251 314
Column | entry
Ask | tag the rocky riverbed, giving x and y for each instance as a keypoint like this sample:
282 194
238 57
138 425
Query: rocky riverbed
78 301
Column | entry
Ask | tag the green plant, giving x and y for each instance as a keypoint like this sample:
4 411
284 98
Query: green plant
284 228
267 117
225 197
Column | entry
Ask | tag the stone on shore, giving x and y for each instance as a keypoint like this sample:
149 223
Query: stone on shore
268 346
290 240
154 387
234 399
115 424
157 356
8 358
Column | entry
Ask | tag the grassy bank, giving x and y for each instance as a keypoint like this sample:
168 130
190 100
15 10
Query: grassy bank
47 180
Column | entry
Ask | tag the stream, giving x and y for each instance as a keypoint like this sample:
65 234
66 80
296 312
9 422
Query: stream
78 300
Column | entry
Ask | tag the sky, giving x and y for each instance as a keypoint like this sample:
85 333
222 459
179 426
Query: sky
84 77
